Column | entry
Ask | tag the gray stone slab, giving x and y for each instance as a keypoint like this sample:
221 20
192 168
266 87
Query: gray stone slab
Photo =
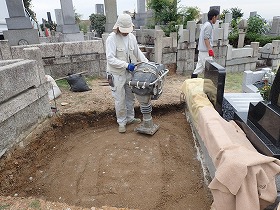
275 28
111 14
5 50
68 12
58 17
8 133
15 8
7 62
47 50
77 48
17 77
191 26
71 37
24 36
18 23
169 58
241 61
16 104
34 53
70 29
228 17
27 118
241 101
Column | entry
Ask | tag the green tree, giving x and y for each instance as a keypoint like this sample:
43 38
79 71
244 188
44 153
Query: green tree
28 6
236 13
223 14
165 11
189 14
257 25
77 16
98 22
165 14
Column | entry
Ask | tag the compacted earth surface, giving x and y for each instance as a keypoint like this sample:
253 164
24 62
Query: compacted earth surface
76 159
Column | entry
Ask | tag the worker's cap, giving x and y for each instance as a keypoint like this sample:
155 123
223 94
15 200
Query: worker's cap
124 23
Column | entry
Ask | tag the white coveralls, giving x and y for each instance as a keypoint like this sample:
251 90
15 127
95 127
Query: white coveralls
120 51
205 33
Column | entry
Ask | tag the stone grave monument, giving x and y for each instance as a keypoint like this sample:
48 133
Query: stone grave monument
20 30
70 30
49 18
218 8
111 14
59 19
214 84
253 14
275 28
262 123
141 15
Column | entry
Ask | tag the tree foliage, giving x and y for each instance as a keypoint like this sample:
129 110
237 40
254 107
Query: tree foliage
236 13
165 11
223 14
98 22
165 14
28 6
189 14
257 25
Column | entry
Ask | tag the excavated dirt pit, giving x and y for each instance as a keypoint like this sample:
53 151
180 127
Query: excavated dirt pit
82 160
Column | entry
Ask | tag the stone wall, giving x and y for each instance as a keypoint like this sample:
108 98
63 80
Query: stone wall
62 58
178 52
241 59
271 53
24 98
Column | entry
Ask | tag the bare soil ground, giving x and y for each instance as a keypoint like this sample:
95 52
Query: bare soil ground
78 160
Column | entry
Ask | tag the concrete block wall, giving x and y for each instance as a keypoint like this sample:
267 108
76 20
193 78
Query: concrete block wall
24 100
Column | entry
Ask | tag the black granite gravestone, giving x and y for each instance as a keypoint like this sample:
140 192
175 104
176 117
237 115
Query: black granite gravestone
49 18
217 74
262 124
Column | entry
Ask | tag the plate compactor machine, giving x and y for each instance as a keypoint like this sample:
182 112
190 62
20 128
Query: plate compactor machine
147 83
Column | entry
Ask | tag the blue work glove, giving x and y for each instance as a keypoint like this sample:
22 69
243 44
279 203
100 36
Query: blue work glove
131 67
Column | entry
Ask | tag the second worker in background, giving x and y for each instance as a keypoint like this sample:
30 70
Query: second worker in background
205 42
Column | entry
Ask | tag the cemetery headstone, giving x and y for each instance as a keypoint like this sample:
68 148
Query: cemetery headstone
49 17
70 30
20 30
261 124
140 18
275 28
99 9
59 19
111 14
228 17
218 8
217 74
253 14
141 7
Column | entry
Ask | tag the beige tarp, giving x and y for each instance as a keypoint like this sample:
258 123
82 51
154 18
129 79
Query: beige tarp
244 178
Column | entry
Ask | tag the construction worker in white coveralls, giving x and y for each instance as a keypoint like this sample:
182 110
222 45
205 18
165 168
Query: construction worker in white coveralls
122 52
205 43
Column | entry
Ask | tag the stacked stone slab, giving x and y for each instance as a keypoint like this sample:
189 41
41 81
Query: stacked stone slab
20 30
23 98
